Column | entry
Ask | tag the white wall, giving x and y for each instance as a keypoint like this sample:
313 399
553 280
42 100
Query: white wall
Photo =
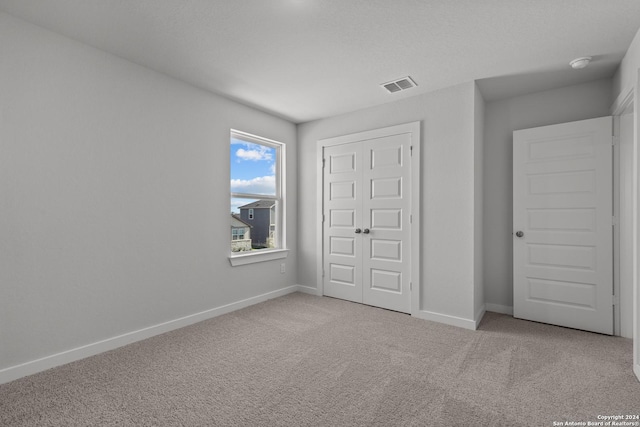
502 117
114 197
626 82
479 118
448 193
627 74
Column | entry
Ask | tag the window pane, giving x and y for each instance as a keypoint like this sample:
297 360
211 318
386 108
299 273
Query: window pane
240 236
255 192
253 168
261 226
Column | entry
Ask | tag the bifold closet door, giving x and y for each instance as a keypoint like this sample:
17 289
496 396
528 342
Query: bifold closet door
367 222
342 222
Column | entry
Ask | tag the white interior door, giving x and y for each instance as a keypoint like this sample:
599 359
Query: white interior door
562 219
342 202
367 229
386 214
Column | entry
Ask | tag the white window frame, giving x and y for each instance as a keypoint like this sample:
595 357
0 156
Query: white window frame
280 251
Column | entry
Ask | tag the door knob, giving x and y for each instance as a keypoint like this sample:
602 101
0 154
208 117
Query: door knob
519 233
358 231
365 231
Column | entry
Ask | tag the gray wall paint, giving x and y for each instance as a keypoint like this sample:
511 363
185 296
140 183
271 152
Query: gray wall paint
479 119
502 117
626 76
115 206
448 191
624 82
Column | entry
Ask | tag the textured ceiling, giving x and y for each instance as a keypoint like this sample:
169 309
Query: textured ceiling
308 59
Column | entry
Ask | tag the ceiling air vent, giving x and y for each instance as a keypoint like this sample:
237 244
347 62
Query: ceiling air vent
398 85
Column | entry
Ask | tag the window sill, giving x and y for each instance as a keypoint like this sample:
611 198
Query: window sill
252 258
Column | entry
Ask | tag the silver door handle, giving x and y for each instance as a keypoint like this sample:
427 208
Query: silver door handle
519 234
358 231
365 231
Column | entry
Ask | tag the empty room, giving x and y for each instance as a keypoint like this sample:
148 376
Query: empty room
319 213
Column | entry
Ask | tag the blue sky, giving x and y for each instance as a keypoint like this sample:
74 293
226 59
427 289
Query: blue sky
252 170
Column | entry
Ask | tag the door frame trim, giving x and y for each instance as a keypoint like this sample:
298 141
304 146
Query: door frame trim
631 96
622 106
412 128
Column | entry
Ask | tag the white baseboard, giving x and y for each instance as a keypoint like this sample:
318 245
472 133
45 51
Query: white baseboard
636 370
14 372
460 322
309 290
497 308
422 314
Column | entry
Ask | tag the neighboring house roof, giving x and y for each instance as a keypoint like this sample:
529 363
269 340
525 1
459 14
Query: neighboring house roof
260 204
239 220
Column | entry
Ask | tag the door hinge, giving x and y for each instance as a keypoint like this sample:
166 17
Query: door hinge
323 272
411 219
616 300
322 217
411 150
411 286
615 140
614 220
323 162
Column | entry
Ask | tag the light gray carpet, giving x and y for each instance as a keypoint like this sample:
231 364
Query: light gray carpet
302 360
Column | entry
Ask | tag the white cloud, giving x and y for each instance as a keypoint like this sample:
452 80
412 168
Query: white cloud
255 154
258 185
